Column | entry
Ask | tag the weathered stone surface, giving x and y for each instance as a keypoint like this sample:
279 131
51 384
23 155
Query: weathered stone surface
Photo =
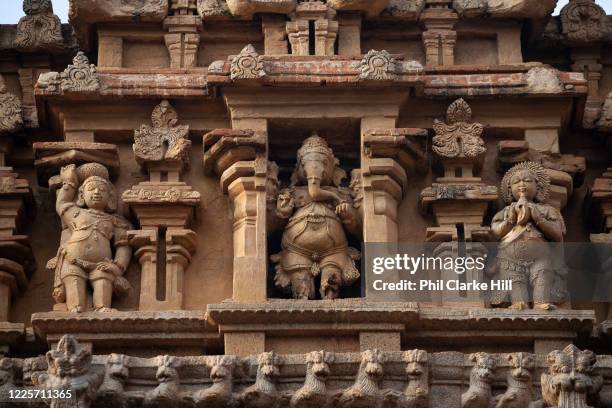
370 7
583 21
505 8
246 8
80 76
11 119
40 29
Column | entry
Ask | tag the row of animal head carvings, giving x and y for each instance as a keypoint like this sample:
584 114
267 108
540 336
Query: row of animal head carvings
570 378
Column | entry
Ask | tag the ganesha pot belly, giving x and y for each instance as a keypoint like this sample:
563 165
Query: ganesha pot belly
320 213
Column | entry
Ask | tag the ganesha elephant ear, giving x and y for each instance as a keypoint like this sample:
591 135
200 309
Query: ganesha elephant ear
295 177
339 175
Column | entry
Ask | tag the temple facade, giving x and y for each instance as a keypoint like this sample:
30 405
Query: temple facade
189 190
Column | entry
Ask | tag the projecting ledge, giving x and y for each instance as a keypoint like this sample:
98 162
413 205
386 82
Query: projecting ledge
127 329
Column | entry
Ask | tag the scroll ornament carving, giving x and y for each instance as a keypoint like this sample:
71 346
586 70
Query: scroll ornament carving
248 64
479 393
377 65
313 203
165 140
313 393
570 381
11 119
97 249
527 222
69 368
458 137
583 21
160 194
40 28
80 76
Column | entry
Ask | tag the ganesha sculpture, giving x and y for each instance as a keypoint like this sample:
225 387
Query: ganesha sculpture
94 249
320 213
530 233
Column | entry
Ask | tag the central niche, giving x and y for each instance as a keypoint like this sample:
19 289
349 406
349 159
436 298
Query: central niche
315 226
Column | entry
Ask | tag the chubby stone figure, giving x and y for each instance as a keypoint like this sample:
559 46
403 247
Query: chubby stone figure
94 247
319 214
525 228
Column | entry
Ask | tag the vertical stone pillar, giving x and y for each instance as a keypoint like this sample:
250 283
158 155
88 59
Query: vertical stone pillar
440 37
239 158
165 209
459 200
183 37
275 34
388 155
349 34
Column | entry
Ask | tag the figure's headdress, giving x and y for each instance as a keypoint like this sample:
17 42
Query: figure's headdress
91 172
542 180
315 143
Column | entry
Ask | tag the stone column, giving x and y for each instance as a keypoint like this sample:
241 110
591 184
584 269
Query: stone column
388 156
165 209
183 37
440 37
239 159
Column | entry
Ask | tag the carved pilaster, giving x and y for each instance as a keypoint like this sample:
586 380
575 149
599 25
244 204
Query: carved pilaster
439 38
459 200
599 201
325 30
165 207
16 258
183 38
390 155
239 159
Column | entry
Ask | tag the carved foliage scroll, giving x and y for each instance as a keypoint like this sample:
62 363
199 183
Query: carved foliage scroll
458 137
40 28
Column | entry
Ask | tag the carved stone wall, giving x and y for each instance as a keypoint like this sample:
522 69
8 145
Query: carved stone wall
256 150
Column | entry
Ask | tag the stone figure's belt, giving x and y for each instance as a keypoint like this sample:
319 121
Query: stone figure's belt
316 257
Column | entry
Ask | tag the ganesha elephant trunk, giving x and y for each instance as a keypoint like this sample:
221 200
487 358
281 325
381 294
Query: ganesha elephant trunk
319 194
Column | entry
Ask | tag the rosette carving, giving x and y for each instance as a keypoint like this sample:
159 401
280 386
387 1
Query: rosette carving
247 65
80 76
378 65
